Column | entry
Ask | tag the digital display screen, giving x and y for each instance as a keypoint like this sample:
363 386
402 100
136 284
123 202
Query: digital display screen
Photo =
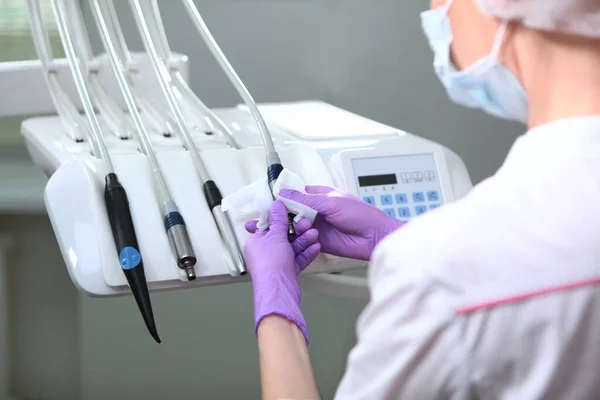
377 180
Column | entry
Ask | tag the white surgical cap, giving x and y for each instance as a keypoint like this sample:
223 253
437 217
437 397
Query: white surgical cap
579 17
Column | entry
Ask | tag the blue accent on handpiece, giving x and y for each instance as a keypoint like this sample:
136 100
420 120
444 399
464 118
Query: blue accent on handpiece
129 258
172 219
273 172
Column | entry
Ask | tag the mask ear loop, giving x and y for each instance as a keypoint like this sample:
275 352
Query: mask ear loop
499 40
447 6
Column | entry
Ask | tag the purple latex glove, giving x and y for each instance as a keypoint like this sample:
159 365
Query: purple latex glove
348 227
274 265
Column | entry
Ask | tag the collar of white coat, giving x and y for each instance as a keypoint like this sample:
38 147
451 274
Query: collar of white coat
562 140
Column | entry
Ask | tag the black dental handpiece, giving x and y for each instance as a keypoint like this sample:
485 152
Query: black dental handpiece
273 172
130 258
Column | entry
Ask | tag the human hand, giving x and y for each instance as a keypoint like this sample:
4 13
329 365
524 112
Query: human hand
274 265
348 227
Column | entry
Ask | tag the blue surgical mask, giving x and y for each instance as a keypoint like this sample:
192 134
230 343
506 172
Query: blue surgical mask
487 84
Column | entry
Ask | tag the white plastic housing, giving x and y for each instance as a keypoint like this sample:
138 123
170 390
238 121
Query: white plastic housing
74 194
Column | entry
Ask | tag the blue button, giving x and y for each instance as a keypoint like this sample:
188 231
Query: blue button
370 200
404 212
433 195
418 197
434 206
387 200
390 211
401 198
130 258
420 210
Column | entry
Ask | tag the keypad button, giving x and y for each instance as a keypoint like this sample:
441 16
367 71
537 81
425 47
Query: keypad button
433 195
434 206
420 210
370 200
401 198
417 176
418 197
390 211
406 177
429 176
404 212
387 200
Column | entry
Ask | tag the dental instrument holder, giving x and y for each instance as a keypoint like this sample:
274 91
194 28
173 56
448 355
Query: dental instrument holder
317 141
74 202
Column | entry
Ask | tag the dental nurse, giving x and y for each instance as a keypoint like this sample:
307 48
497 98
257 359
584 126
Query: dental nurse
496 296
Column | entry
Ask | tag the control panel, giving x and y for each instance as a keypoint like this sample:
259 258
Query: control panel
403 186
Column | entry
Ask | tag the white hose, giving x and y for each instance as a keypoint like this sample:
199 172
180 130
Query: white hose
157 31
164 77
65 34
66 110
160 120
233 76
141 134
114 117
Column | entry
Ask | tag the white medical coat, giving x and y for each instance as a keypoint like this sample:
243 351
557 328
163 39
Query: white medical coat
496 296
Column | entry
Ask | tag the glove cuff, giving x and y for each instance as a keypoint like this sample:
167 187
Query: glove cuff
280 298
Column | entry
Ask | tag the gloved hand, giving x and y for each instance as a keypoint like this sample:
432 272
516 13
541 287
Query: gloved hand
274 265
348 227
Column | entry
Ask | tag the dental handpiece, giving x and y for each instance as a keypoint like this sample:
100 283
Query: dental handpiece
117 204
273 171
179 240
173 220
130 259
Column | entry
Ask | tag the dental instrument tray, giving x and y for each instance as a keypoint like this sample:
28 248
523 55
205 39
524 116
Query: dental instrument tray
424 175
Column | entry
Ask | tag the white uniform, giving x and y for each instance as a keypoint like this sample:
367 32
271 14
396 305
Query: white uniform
496 296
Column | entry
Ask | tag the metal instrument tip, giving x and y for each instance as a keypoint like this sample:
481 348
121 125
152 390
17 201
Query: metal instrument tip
291 228
190 274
